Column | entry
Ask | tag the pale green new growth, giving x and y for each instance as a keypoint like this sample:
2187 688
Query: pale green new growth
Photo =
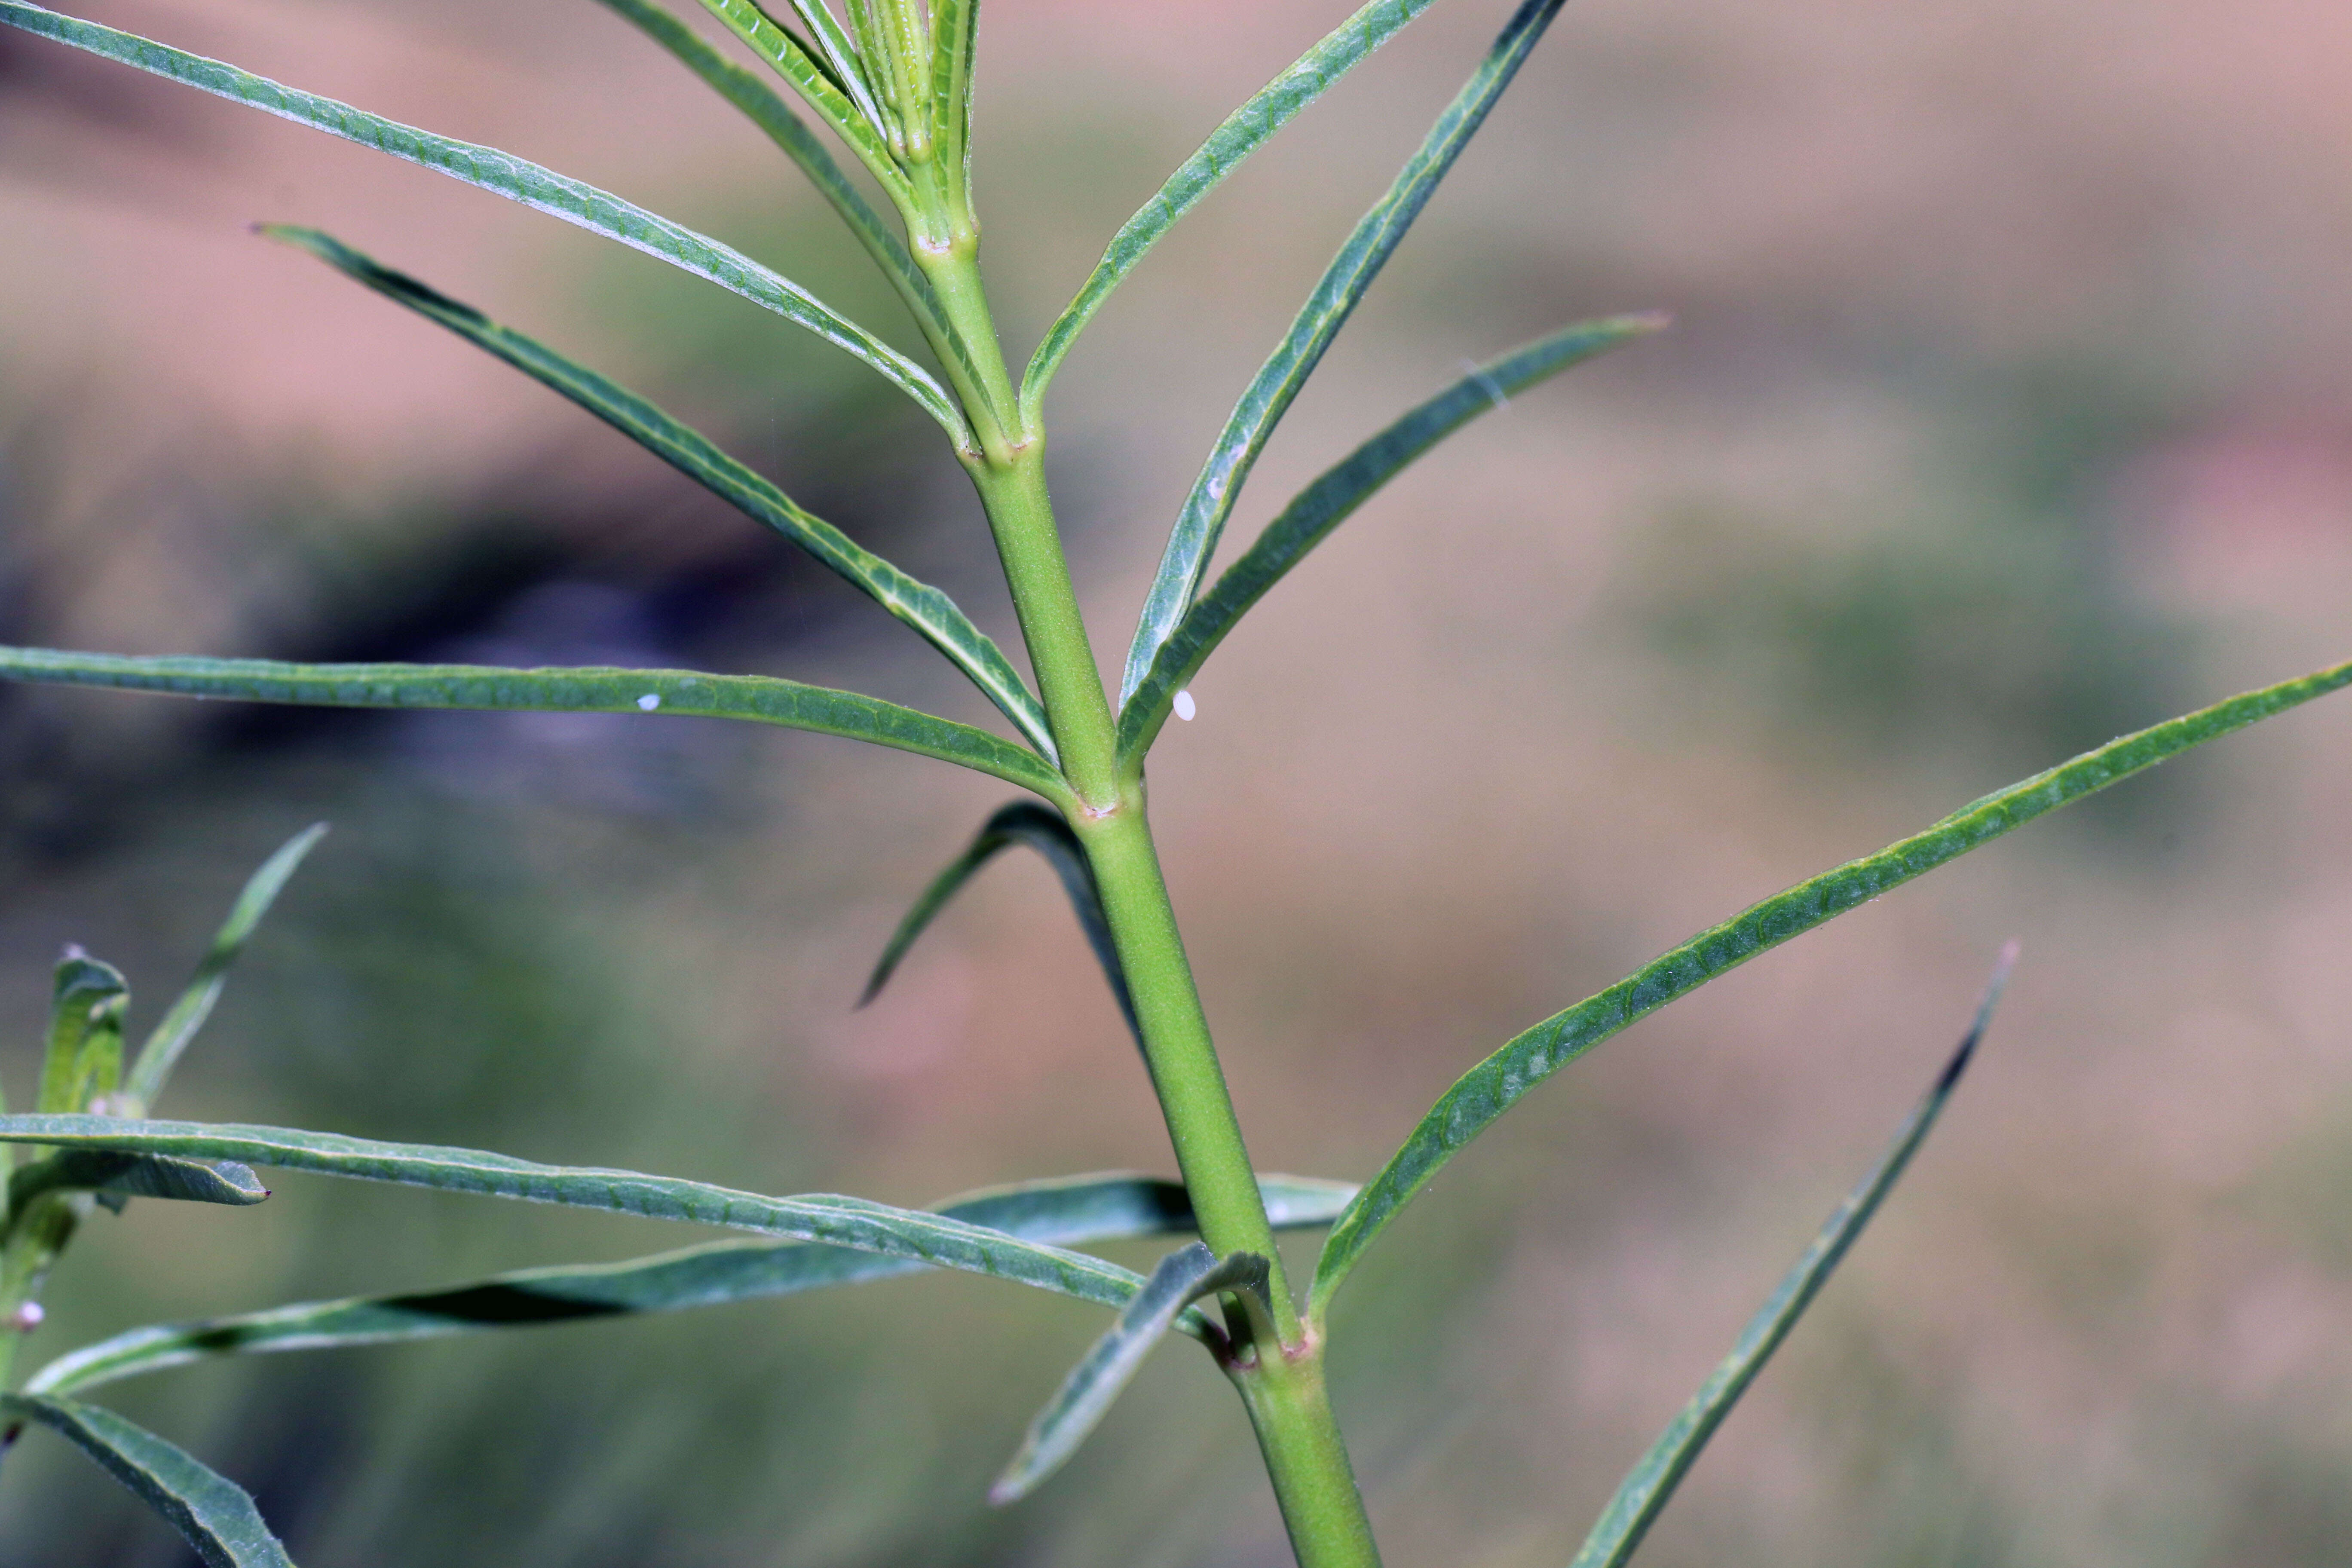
214 1513
1652 1481
517 179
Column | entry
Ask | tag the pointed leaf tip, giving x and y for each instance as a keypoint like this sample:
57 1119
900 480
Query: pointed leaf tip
1647 1488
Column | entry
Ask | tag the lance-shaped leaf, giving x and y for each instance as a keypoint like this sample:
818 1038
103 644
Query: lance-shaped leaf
84 1061
1048 832
162 1051
1182 1278
216 1515
136 1177
1376 235
757 698
1652 1481
1495 1085
854 1223
503 174
1243 131
1077 1211
934 615
1334 497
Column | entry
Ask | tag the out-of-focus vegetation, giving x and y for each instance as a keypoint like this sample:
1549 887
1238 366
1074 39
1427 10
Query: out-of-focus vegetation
2009 407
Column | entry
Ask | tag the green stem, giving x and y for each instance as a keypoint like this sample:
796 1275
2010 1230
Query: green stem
1307 1460
1279 1367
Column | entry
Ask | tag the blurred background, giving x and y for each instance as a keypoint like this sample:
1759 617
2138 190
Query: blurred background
2010 407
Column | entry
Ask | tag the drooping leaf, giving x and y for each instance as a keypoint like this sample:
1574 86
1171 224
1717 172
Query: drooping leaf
934 615
1334 497
854 1223
1182 1278
1077 1211
1495 1085
831 82
162 1051
517 179
1652 1481
136 1177
84 1061
214 1513
1048 832
1243 131
1376 235
759 699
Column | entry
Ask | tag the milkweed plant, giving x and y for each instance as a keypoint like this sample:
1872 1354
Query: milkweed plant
889 82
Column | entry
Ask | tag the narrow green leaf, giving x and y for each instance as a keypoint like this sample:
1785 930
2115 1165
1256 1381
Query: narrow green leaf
934 615
162 1051
1652 1481
885 71
1182 1278
854 1223
955 25
1262 406
1491 1088
136 1177
759 699
84 1061
1048 832
216 1515
517 179
1243 131
1334 497
1076 1211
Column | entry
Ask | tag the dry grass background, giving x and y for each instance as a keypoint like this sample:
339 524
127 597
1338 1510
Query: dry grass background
2008 408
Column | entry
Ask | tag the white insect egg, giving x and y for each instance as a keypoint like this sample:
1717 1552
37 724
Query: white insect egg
649 702
1185 708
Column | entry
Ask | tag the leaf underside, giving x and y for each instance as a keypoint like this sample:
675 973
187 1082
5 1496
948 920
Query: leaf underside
1182 1278
1046 831
215 1514
1335 496
1495 1084
1375 239
1652 1481
1077 1211
757 698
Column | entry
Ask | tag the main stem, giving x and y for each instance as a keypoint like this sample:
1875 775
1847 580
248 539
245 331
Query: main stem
1279 1361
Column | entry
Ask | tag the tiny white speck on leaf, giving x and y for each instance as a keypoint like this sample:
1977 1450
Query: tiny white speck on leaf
1184 706
649 702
